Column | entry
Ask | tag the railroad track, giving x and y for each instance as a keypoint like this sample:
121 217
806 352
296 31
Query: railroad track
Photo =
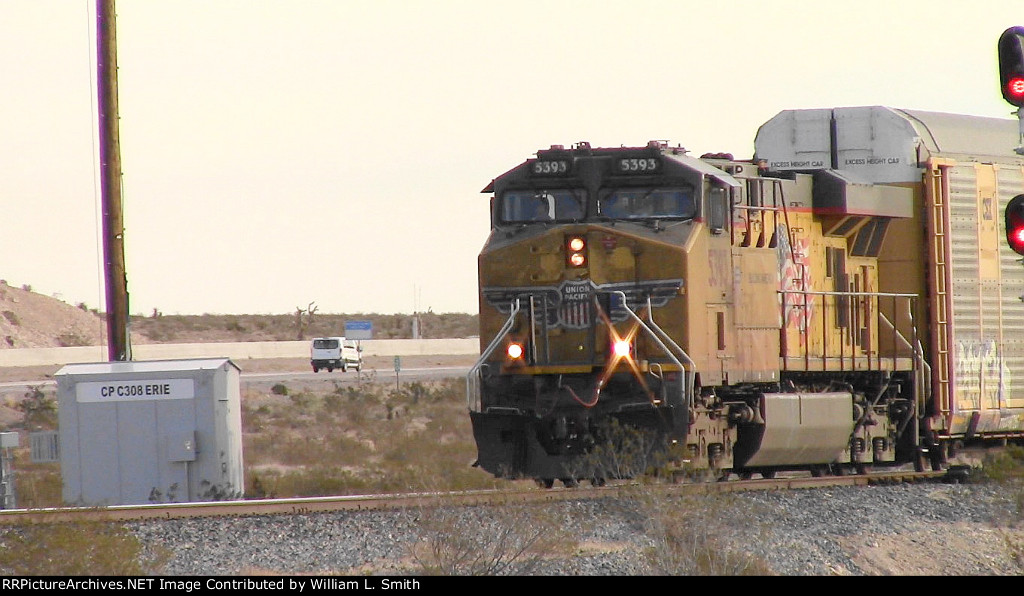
308 505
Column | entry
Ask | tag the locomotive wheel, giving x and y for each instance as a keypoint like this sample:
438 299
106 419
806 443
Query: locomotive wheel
545 482
862 468
598 481
769 474
745 475
818 471
570 482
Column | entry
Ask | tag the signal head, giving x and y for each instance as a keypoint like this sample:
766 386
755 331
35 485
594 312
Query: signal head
1011 65
1014 219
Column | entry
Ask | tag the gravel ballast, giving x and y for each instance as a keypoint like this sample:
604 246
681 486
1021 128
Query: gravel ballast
903 529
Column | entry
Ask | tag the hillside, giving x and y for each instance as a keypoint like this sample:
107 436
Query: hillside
31 320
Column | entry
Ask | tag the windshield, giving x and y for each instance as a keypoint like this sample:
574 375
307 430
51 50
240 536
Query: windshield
528 206
648 203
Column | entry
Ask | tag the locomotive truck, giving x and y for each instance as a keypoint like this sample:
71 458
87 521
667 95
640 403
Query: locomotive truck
843 300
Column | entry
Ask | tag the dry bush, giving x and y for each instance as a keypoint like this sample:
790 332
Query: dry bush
510 539
361 439
692 534
621 451
1007 468
74 549
40 408
229 328
36 485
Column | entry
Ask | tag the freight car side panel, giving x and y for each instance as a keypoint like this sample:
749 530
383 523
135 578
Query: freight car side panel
986 313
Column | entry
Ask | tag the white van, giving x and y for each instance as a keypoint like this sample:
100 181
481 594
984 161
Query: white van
335 352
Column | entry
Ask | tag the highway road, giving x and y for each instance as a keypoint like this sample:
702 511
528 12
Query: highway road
305 378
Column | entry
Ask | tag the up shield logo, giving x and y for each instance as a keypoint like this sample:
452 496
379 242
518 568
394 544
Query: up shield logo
574 311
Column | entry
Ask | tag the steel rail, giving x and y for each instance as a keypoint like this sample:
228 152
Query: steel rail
398 501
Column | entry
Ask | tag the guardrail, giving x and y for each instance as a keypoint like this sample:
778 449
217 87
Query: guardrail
235 351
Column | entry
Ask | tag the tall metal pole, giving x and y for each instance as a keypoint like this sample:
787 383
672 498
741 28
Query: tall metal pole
118 337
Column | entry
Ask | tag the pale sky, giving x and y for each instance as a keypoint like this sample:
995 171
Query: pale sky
281 152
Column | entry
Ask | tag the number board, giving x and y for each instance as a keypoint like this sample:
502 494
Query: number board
637 165
551 167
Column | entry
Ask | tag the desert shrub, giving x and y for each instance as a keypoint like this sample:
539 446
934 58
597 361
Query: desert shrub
318 481
510 539
279 389
36 485
282 327
343 442
12 317
74 549
1007 468
304 401
70 339
40 409
235 325
621 451
690 535
1006 465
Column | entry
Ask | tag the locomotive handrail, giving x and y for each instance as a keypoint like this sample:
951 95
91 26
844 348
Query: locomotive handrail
688 389
473 376
824 293
916 349
691 374
899 340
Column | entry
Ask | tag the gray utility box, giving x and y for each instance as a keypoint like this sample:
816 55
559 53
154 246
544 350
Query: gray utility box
159 431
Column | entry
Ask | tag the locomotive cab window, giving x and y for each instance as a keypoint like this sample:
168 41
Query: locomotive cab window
649 203
535 206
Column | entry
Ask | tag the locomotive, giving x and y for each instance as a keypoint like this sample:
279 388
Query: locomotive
841 301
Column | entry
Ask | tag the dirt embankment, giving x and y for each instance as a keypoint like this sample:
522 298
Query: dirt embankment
30 320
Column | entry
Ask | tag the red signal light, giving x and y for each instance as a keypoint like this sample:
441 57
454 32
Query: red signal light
1015 87
1017 237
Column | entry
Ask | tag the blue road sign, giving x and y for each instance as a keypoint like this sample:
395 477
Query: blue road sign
359 329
